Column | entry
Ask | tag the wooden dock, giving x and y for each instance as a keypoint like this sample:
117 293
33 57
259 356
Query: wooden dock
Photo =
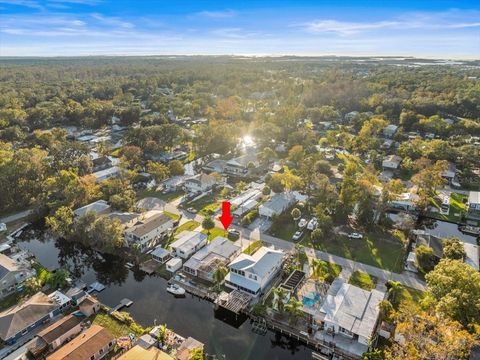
195 290
236 301
123 303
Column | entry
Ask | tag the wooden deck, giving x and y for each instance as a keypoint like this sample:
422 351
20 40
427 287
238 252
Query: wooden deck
123 303
236 301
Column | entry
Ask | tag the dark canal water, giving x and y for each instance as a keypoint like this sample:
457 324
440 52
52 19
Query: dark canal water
189 316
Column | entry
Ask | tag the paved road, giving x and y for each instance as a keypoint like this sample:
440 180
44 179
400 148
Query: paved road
384 275
16 216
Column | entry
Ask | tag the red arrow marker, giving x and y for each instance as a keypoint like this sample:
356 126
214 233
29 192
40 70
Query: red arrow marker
226 218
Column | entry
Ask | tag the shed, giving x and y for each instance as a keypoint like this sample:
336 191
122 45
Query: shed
174 264
160 254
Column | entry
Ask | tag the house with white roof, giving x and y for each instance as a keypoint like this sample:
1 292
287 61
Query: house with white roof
199 183
103 175
99 207
405 201
348 316
220 251
148 232
391 162
188 243
253 273
450 172
473 205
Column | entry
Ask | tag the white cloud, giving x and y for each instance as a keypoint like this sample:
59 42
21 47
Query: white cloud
217 14
27 3
113 21
347 28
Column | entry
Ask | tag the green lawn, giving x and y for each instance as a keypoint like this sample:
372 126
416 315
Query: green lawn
284 227
206 206
457 208
372 250
11 300
188 226
325 271
214 233
253 247
410 298
158 194
362 280
115 327
171 215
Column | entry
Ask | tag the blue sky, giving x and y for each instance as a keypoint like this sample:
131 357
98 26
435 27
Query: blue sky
444 29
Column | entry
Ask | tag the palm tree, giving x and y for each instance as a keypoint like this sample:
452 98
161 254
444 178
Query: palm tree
162 333
294 308
394 291
279 296
33 285
208 224
219 274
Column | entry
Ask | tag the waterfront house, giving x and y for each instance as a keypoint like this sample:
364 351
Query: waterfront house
405 201
200 183
126 219
186 347
174 264
473 205
348 317
161 255
220 251
139 353
105 174
12 274
188 243
22 318
89 306
390 131
147 233
277 204
253 273
56 335
92 344
99 207
391 162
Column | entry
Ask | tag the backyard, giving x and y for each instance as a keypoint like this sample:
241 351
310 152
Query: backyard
206 205
214 233
188 226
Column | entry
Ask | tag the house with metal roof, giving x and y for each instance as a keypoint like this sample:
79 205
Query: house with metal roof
220 251
99 207
473 205
147 233
199 183
277 204
253 273
348 316
188 243
12 274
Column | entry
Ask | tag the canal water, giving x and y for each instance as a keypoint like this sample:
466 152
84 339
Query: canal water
443 229
188 316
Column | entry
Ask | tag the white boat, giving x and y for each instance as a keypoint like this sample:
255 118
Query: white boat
176 290
472 230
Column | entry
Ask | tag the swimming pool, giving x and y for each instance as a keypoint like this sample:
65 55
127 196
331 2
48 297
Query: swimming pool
311 299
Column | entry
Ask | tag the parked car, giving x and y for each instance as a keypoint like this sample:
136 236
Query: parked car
312 224
233 234
297 236
192 210
355 236
302 223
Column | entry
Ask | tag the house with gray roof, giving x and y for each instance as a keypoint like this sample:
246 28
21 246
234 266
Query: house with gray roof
22 318
277 204
253 273
219 252
349 316
241 165
188 243
473 205
147 233
12 274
